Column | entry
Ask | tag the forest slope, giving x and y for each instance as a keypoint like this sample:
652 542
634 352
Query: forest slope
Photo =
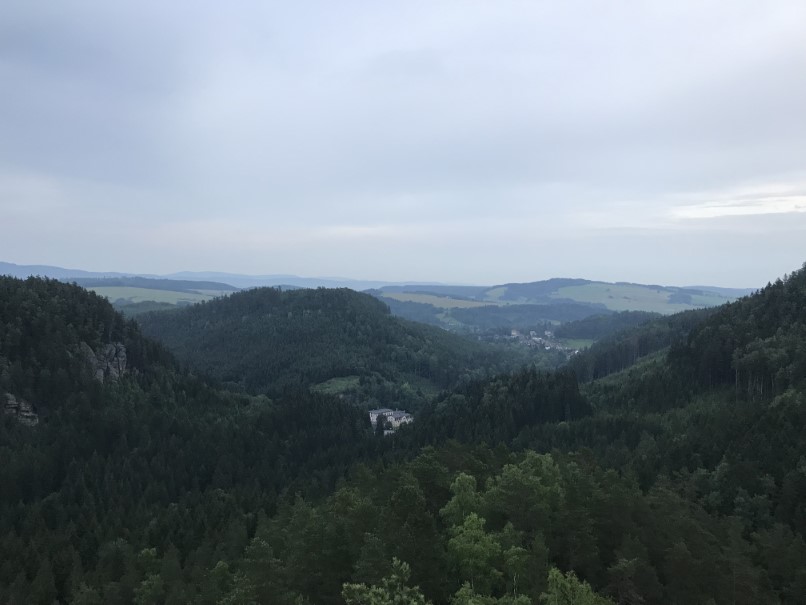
678 480
267 340
687 486
115 473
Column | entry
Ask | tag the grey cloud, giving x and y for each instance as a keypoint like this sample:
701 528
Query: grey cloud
415 114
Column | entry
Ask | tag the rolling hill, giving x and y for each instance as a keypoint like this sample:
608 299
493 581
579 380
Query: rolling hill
674 473
110 452
678 478
133 295
238 280
619 296
336 340
541 305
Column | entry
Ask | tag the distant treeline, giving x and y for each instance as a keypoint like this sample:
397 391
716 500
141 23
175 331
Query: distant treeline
623 349
174 285
597 327
495 317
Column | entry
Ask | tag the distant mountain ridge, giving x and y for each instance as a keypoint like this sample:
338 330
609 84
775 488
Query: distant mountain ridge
448 306
239 280
174 285
550 290
53 272
606 296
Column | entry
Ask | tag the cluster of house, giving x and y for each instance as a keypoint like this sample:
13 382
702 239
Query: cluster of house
392 419
547 341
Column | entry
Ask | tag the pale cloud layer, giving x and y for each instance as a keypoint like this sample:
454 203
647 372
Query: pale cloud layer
472 142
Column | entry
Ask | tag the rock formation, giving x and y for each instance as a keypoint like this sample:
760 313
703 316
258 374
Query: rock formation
19 409
108 363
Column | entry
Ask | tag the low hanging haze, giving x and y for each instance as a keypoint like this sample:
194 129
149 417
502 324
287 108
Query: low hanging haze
463 142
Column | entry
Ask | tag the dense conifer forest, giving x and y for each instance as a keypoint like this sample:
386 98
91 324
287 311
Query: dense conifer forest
666 465
268 340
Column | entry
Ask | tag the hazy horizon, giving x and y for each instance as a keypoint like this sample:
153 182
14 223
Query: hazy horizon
211 275
453 142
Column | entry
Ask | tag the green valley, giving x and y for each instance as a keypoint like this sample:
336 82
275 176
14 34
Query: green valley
664 464
542 304
339 341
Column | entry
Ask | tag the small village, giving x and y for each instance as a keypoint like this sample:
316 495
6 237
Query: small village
547 341
390 420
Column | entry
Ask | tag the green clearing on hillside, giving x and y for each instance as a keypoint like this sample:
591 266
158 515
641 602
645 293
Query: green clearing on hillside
495 294
629 297
214 293
338 385
136 295
441 302
576 343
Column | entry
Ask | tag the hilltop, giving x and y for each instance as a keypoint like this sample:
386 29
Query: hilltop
618 296
536 304
333 340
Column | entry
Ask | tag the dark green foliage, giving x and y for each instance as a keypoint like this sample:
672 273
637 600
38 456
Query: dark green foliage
42 326
597 327
414 311
492 318
266 340
540 289
623 349
132 490
466 292
533 512
130 309
499 410
723 410
757 344
678 480
524 317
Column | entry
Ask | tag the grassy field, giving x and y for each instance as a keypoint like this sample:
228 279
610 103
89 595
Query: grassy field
629 297
338 385
214 293
441 302
495 294
145 294
576 343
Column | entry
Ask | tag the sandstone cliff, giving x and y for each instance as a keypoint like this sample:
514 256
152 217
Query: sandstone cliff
108 363
20 409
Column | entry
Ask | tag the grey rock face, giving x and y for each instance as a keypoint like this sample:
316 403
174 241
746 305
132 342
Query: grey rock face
108 363
19 409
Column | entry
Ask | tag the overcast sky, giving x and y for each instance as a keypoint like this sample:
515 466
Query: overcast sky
463 142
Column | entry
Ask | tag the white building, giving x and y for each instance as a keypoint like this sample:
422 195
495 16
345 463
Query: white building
394 418
398 418
380 412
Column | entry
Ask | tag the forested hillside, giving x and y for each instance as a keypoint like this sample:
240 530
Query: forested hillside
266 340
596 327
687 486
531 305
675 474
621 349
137 474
